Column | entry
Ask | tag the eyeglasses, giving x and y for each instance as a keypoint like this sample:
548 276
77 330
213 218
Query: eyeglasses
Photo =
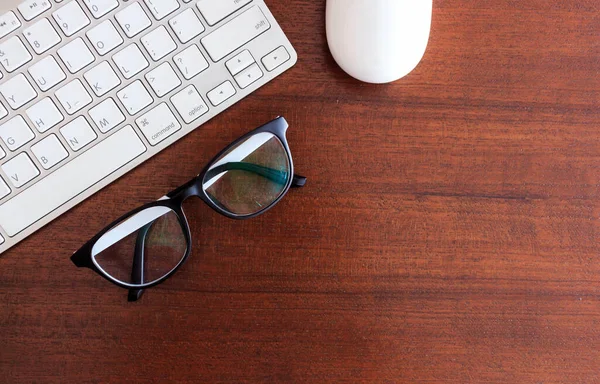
149 244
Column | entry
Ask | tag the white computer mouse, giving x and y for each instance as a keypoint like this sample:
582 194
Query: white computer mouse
378 41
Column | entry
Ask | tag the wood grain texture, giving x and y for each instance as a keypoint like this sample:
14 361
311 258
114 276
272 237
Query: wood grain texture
448 234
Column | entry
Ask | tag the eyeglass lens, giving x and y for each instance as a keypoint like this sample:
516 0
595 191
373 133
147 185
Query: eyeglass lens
250 176
142 248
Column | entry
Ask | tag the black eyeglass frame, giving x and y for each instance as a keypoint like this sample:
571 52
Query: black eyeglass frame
174 201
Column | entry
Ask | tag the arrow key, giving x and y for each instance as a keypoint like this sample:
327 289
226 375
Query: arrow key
248 76
221 93
240 62
275 58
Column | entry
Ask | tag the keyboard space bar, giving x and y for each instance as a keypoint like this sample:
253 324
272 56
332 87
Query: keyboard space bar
69 181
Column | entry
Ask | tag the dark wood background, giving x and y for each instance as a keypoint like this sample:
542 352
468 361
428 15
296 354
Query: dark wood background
448 234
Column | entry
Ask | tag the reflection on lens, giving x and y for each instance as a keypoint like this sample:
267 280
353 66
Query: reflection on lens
142 248
250 177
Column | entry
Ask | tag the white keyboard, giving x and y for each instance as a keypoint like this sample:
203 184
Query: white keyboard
89 89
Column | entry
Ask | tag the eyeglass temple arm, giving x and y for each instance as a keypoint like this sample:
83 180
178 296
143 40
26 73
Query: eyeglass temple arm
272 174
279 177
298 181
137 269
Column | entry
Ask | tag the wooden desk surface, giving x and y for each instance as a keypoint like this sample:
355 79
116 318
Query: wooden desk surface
449 231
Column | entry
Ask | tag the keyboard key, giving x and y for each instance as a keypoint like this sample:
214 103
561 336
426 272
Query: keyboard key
73 96
158 43
102 79
71 18
13 54
20 170
158 124
130 61
248 76
76 55
30 9
191 62
186 25
2 154
16 133
49 152
17 91
237 32
107 115
44 115
3 111
104 37
275 58
216 10
4 191
70 180
221 93
41 36
8 23
135 97
189 104
47 73
133 20
162 8
99 8
78 133
163 79
240 62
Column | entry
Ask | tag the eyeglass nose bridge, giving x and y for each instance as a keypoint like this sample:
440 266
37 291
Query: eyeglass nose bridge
189 189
